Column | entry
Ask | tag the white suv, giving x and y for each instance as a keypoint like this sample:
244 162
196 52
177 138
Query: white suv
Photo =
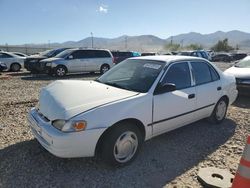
79 60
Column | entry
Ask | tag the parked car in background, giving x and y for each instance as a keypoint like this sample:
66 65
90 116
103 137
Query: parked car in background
79 60
3 66
20 54
149 53
201 53
238 56
32 62
241 71
122 55
136 100
13 62
222 57
184 53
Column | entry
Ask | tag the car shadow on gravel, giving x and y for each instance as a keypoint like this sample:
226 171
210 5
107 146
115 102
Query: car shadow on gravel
160 160
44 77
242 101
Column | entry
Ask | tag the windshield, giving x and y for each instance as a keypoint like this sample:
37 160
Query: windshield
47 53
244 63
63 54
133 74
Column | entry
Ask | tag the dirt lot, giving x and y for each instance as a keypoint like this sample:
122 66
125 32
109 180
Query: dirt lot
170 160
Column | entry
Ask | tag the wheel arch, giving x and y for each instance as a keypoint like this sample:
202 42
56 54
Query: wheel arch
224 97
135 121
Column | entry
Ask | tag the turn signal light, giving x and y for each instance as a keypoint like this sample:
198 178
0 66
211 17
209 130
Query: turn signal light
80 125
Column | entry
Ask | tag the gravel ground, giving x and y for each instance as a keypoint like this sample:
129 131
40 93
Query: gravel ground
170 160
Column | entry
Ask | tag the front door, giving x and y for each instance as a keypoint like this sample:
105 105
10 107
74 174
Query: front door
174 109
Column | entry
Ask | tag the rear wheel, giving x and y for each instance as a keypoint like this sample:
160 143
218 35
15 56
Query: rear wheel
220 111
104 68
121 145
15 67
60 71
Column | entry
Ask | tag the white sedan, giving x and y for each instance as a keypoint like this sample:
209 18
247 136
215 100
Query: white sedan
136 100
241 71
12 61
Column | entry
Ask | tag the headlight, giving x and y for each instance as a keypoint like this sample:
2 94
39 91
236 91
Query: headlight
3 64
70 126
48 64
59 124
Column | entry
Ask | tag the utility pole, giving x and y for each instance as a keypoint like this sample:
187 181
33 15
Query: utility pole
92 40
48 44
126 42
171 40
182 41
7 47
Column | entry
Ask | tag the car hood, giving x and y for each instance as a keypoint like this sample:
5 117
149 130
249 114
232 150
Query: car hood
64 99
239 72
51 59
35 57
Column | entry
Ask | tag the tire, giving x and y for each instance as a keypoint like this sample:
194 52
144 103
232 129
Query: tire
104 68
219 112
15 67
123 139
60 71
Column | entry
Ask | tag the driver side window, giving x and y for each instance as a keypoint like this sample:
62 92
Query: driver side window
178 74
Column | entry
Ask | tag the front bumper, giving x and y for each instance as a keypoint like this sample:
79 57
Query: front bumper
243 89
61 144
243 86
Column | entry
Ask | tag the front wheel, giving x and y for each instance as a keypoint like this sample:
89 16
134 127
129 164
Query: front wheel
60 71
104 68
15 67
121 145
220 111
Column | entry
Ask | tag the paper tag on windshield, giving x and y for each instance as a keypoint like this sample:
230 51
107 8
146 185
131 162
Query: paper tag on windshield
152 66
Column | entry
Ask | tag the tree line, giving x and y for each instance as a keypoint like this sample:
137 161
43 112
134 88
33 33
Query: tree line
221 45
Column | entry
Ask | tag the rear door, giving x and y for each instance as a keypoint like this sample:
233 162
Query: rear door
96 58
7 59
208 88
174 109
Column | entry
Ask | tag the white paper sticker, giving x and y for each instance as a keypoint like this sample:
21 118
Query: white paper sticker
152 66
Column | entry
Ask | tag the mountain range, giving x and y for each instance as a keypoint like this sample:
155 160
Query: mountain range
154 43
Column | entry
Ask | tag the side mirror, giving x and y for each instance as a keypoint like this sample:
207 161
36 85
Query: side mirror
167 87
70 57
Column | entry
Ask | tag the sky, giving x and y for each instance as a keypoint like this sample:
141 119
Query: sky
43 21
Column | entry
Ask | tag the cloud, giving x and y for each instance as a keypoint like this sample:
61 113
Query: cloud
103 9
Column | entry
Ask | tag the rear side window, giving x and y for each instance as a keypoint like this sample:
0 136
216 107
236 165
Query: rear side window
214 74
99 54
202 73
178 74
3 55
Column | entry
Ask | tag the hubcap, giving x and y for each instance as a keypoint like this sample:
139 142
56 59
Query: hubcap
221 110
125 147
105 69
15 67
60 71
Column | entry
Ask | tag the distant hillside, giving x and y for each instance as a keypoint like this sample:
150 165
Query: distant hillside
235 37
153 43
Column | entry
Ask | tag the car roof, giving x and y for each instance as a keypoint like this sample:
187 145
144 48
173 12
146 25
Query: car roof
169 58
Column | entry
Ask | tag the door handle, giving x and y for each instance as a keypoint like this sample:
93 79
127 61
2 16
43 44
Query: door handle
218 88
191 96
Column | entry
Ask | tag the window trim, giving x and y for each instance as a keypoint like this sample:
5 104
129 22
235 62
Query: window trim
168 67
209 66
